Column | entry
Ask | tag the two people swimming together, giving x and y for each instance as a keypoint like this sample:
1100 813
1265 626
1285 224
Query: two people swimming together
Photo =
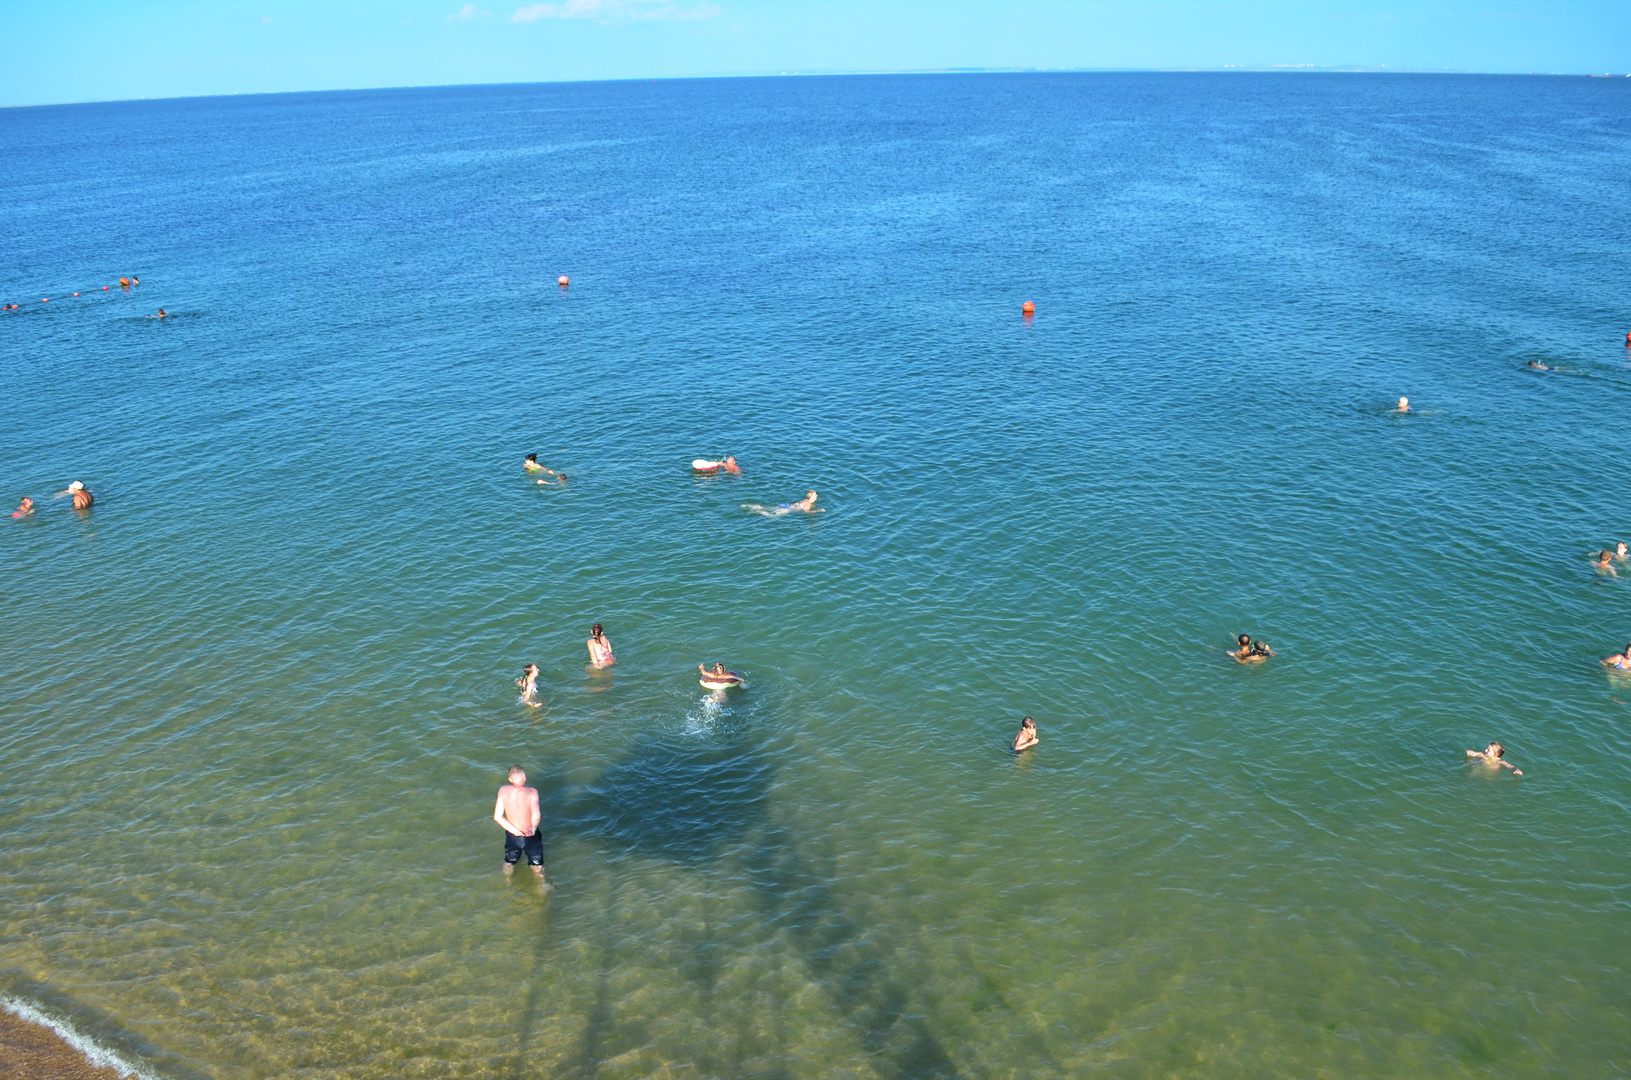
531 465
82 500
1247 651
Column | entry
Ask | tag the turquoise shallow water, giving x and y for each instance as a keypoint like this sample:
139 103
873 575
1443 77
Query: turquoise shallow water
258 701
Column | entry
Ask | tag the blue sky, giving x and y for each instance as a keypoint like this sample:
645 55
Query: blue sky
94 50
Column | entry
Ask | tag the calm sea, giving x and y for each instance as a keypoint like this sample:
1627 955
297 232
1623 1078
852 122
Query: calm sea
257 703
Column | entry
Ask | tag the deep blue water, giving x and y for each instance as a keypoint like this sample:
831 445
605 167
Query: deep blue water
272 666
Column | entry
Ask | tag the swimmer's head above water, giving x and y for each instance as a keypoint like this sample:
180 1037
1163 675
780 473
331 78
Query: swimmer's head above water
596 632
1404 404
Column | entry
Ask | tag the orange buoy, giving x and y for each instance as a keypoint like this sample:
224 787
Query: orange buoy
564 280
124 283
1628 337
105 288
1028 308
76 294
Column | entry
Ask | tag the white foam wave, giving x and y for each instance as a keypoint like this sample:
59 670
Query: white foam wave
96 1053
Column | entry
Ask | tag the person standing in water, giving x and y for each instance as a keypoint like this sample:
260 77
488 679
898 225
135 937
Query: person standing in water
517 813
83 499
1027 737
528 682
600 648
1494 755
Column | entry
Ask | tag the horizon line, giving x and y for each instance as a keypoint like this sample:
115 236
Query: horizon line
1226 69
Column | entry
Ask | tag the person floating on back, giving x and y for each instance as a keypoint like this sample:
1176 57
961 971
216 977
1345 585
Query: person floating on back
528 682
600 648
24 508
1249 651
806 505
83 499
1027 737
1494 756
517 813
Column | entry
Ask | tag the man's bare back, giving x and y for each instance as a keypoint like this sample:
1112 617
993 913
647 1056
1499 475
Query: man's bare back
517 813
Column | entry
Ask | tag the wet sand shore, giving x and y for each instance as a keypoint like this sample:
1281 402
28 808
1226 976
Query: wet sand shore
30 1051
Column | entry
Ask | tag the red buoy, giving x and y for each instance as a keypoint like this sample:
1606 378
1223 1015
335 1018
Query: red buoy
563 280
1030 309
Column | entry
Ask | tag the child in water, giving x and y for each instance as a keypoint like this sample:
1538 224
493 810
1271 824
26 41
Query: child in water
24 508
1027 737
1494 755
1249 651
528 682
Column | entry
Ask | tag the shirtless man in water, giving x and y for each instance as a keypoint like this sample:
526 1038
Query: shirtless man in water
517 813
83 499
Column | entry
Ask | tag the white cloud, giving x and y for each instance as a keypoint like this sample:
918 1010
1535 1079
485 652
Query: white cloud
617 10
468 13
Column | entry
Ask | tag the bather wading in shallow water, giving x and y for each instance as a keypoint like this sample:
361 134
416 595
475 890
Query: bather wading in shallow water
517 813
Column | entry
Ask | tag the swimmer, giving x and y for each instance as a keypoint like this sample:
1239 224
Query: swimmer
83 499
24 508
1249 651
1620 551
728 463
1605 563
528 682
600 648
1494 755
1404 405
134 280
720 675
531 465
806 505
1536 365
163 314
559 481
1027 736
517 813
1620 661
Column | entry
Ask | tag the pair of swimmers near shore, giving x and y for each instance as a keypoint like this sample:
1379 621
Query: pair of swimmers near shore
1606 559
83 500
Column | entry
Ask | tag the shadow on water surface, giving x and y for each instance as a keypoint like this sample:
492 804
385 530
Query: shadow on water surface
686 800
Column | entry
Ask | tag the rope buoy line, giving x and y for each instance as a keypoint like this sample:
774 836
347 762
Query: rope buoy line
125 284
